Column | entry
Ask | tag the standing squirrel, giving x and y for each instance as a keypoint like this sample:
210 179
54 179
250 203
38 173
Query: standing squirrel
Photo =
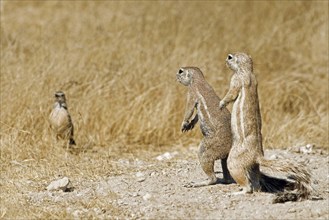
246 157
214 123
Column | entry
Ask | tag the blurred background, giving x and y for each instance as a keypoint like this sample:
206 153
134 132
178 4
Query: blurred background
116 62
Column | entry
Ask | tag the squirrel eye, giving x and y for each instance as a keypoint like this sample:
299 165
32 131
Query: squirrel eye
180 71
230 57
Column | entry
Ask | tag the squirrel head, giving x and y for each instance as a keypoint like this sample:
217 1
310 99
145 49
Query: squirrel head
188 75
239 62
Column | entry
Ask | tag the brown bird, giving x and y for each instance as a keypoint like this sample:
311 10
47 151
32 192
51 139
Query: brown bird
60 120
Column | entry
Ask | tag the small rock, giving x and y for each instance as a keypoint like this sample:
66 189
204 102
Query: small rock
139 162
124 161
120 202
135 194
147 196
141 179
307 149
292 210
154 174
140 176
273 157
167 156
61 184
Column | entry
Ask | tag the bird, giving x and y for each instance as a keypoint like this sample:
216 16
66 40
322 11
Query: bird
61 121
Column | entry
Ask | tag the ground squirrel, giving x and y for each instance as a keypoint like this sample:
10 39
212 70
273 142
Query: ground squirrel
60 119
246 159
214 123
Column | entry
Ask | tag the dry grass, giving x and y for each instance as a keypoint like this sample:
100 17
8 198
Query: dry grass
116 62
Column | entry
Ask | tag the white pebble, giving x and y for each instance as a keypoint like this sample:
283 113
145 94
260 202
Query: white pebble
147 196
61 184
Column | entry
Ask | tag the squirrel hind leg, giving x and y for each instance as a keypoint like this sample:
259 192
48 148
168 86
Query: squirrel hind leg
253 177
201 184
227 178
248 181
247 189
207 164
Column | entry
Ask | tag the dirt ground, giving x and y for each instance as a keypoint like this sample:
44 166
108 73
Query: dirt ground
152 187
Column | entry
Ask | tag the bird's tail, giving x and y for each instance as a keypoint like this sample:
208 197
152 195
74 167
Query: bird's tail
291 181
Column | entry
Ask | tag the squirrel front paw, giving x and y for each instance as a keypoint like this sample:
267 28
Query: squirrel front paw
186 126
222 104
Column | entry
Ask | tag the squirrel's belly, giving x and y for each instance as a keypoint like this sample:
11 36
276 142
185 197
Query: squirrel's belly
236 120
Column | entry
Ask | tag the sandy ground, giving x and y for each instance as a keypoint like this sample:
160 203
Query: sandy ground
149 188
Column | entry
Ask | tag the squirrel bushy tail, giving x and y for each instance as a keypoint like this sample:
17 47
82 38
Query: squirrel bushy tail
291 181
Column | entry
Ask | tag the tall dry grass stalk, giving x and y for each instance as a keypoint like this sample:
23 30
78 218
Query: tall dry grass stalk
116 62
